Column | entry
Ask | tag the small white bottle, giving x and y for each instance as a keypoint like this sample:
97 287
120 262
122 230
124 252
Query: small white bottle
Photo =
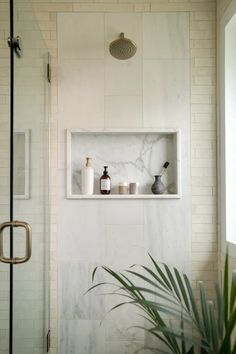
87 177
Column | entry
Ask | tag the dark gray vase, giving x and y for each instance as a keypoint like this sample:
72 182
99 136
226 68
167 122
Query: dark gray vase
158 187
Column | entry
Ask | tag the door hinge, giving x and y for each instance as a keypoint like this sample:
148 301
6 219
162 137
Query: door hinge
16 44
48 341
49 71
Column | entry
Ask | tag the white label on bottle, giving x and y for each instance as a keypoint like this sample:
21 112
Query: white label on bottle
105 184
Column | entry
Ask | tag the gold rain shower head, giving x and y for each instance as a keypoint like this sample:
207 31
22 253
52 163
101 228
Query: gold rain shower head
122 48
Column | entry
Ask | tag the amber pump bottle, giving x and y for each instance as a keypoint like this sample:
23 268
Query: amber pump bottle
105 182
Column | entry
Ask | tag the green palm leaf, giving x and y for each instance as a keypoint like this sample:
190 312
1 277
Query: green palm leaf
226 289
178 333
160 272
220 311
214 329
233 291
156 277
234 349
197 320
182 289
205 312
141 276
165 291
172 281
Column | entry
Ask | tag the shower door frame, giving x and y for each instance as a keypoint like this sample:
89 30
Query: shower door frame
11 3
13 52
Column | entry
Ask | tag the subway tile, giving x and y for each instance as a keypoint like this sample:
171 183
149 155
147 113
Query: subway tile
53 7
202 35
204 16
204 43
103 7
205 62
183 6
142 7
202 25
201 98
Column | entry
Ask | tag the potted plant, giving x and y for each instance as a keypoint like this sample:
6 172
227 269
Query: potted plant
207 328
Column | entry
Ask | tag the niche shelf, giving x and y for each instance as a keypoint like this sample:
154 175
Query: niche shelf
131 155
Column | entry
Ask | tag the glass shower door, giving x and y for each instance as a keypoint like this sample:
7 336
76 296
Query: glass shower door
31 166
24 313
4 171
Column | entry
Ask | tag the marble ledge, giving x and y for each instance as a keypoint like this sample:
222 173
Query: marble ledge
125 196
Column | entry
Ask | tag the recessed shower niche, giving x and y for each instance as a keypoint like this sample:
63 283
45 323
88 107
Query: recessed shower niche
131 156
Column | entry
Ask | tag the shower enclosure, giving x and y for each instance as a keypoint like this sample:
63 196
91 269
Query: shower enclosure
24 182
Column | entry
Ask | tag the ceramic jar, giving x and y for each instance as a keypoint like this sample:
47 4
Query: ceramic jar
158 187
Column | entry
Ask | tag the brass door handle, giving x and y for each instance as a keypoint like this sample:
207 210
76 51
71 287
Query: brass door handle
28 242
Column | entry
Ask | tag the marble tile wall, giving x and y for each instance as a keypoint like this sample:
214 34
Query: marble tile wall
154 87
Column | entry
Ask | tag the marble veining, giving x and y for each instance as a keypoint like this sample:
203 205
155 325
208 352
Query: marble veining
142 157
83 337
76 303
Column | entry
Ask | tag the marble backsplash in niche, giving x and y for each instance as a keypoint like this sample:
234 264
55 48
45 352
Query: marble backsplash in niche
131 157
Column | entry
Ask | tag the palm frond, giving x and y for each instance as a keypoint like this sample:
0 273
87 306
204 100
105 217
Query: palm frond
205 312
220 311
166 293
226 289
233 291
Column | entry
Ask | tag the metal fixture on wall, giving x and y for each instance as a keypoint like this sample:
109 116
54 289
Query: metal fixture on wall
122 48
16 44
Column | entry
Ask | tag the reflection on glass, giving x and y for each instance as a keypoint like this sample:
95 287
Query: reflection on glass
21 165
30 295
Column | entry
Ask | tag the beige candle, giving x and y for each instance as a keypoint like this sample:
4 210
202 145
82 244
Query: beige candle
123 188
